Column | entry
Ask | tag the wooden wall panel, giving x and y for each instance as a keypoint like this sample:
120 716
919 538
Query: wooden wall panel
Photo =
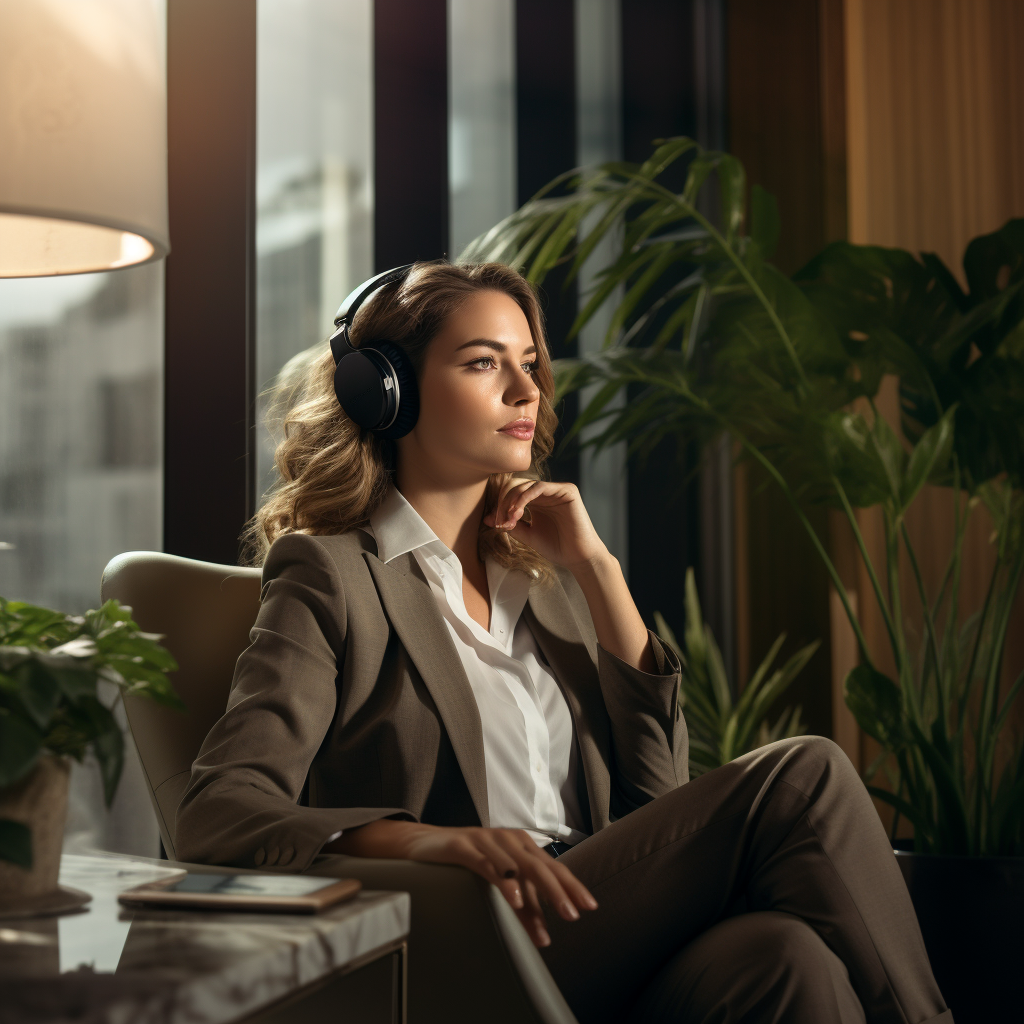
936 119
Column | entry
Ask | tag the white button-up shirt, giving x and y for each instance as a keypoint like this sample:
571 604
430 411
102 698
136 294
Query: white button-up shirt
530 753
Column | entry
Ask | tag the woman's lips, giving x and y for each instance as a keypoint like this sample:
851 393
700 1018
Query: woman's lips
521 433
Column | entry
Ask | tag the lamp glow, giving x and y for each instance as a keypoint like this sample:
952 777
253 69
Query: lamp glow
83 136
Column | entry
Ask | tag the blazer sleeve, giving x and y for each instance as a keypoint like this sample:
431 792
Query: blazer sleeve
650 743
650 746
241 805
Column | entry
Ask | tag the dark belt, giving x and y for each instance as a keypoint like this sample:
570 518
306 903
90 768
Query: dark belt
557 848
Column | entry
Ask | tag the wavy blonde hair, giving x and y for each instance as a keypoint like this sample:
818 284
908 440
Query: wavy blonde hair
332 475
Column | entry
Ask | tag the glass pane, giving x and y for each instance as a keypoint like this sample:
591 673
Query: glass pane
603 480
81 394
314 178
481 128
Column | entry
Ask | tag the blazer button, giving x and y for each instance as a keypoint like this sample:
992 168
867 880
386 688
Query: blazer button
260 856
272 854
287 855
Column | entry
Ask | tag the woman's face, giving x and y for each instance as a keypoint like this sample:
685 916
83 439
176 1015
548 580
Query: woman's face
478 400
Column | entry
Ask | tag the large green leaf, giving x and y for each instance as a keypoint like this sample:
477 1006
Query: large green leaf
732 187
891 456
875 702
94 720
931 451
765 225
20 746
37 688
994 261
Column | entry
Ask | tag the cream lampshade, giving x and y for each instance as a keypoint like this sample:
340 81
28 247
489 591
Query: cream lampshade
83 136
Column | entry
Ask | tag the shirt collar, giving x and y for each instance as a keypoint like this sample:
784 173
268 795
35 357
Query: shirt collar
398 527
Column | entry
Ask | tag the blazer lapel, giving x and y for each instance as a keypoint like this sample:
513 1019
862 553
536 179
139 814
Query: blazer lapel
550 616
413 611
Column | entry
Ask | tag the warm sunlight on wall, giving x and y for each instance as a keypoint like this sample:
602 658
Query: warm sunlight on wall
935 121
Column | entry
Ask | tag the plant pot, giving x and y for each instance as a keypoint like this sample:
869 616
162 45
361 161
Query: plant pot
971 911
40 801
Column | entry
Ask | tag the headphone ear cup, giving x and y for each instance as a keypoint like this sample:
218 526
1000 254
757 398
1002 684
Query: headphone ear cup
359 387
409 395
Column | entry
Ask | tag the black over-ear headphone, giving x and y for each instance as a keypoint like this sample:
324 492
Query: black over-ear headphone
375 383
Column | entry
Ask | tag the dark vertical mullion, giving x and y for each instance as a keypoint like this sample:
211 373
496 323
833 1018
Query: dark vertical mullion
545 148
410 53
717 533
778 53
209 390
658 101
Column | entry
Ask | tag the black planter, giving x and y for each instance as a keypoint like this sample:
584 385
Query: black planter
971 911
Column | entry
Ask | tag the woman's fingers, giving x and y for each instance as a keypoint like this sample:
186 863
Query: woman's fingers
522 871
509 499
555 881
504 863
512 502
550 886
532 916
478 850
506 870
504 860
518 506
577 891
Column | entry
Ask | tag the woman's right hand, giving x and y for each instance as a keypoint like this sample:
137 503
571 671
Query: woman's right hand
506 857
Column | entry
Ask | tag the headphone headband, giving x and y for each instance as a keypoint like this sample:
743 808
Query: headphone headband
361 292
355 298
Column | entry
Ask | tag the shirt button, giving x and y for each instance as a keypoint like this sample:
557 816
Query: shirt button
501 631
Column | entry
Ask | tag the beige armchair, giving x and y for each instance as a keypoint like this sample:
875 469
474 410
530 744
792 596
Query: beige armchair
469 957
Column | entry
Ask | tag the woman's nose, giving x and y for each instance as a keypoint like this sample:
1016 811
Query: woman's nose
525 389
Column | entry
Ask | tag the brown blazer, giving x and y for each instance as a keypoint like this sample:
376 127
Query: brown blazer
351 704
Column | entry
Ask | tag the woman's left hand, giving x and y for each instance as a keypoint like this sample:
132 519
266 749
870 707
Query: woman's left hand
560 528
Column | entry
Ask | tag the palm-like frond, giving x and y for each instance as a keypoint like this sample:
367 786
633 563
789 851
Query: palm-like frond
720 727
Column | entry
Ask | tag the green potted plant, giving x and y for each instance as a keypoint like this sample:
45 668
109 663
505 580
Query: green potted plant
53 708
722 726
713 338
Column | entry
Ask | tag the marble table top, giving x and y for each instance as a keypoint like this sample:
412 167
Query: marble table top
110 965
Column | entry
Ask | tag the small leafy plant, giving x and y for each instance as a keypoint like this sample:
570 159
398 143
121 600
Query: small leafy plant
720 727
50 666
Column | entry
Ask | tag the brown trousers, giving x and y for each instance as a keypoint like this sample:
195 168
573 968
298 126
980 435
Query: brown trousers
763 891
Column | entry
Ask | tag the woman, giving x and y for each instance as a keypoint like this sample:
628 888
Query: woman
448 667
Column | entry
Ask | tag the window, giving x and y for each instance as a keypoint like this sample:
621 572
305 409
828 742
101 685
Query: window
314 179
81 372
481 126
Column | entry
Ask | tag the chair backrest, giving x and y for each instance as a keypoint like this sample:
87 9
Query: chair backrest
205 612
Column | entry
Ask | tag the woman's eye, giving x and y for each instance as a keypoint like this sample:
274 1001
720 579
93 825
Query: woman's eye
488 361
